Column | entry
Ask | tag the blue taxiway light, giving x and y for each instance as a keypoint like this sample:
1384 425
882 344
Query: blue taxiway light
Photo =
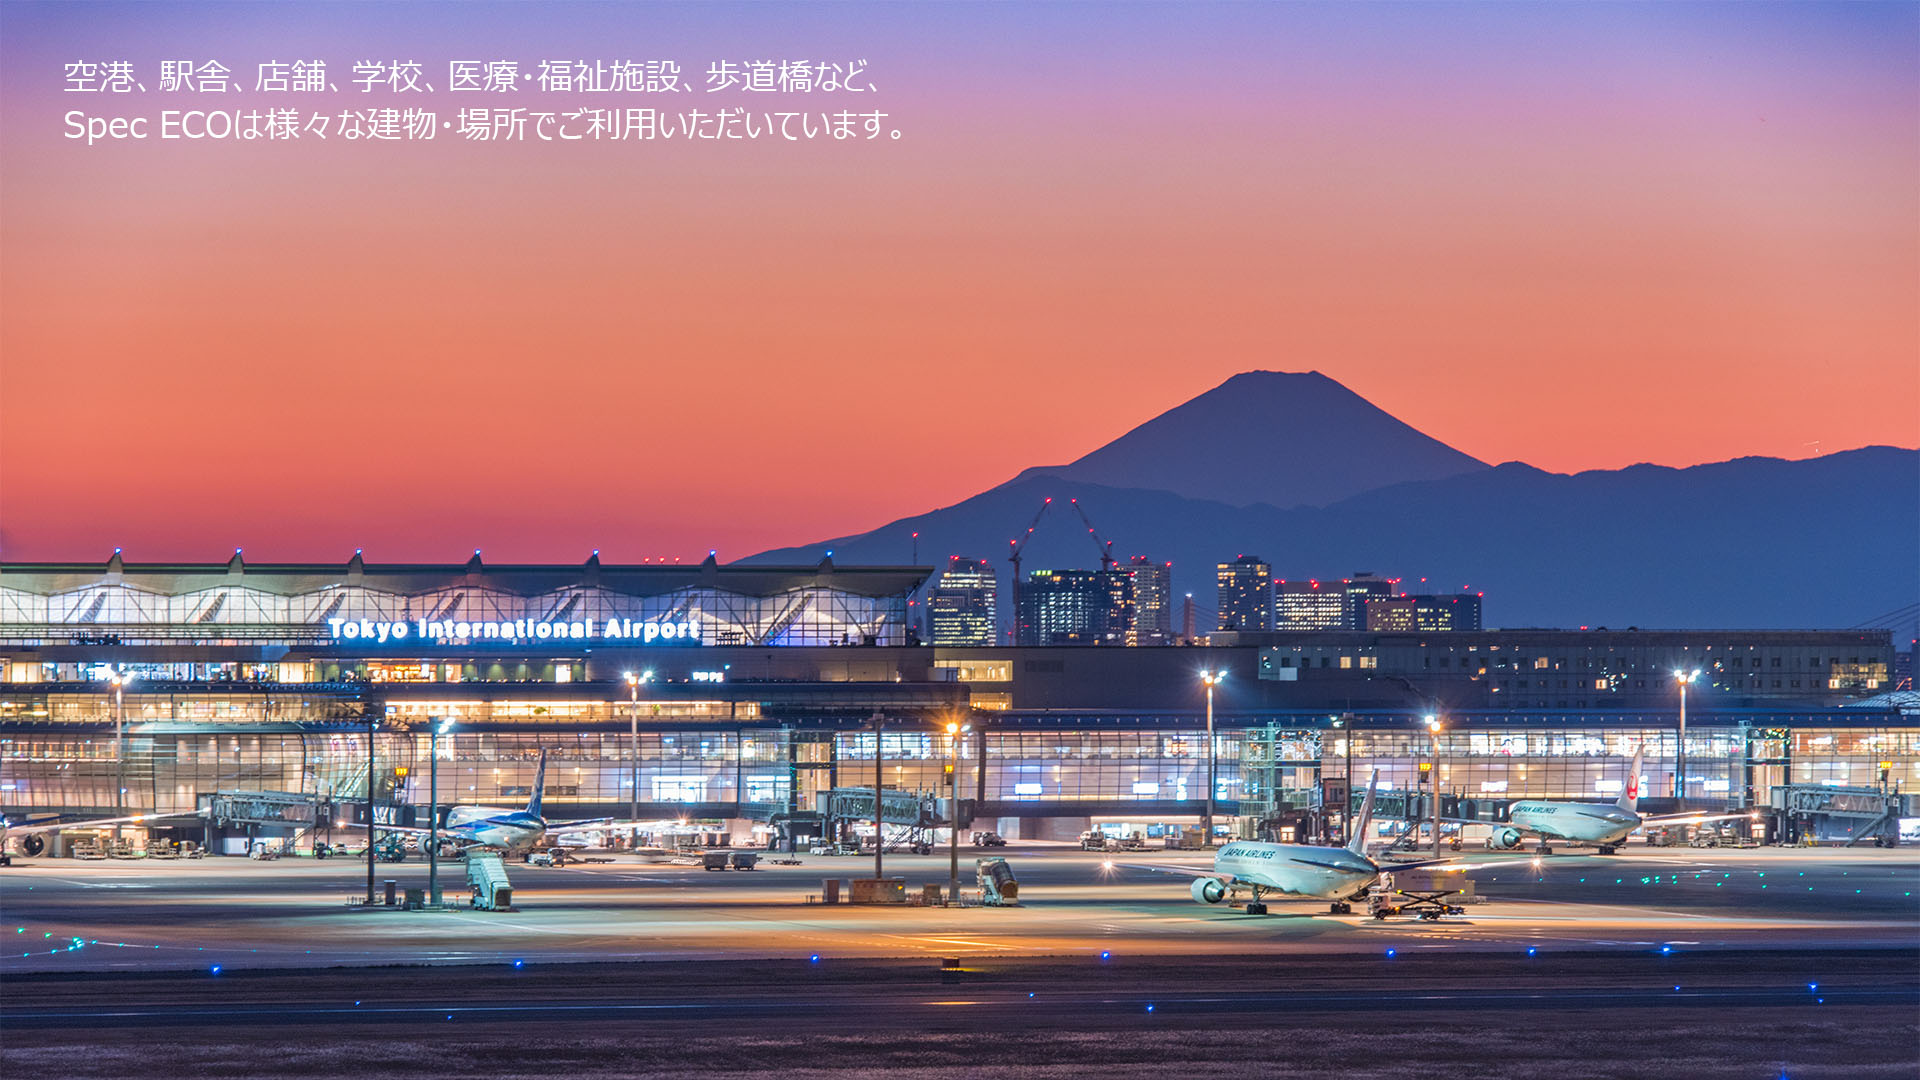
519 963
814 959
1149 1006
216 969
1532 950
1390 952
1106 956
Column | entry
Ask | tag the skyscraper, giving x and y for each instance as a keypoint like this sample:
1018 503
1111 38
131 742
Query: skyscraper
1355 592
1151 621
1423 614
1246 594
1309 605
962 607
1074 607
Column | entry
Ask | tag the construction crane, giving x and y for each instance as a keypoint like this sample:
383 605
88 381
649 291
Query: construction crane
1105 546
1015 547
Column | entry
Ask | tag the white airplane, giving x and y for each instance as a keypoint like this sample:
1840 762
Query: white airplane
33 837
1605 826
512 832
1337 874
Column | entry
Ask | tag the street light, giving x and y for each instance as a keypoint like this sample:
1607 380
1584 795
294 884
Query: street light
633 755
1433 789
439 728
1680 760
1211 679
119 679
955 729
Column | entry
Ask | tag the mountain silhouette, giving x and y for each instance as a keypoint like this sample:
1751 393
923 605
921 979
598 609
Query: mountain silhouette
1275 437
1754 542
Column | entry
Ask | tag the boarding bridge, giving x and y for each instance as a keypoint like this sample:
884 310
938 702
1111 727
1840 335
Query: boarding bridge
282 808
1857 813
487 877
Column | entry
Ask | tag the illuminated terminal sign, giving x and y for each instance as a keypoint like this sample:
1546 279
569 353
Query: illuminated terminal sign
643 631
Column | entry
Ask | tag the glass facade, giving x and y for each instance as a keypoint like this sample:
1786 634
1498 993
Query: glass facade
726 769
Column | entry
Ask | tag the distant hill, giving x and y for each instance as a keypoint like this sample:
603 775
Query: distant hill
1754 542
1271 437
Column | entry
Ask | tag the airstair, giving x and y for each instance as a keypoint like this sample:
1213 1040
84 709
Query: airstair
487 876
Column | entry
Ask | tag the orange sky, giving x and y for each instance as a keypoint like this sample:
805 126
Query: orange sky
1582 238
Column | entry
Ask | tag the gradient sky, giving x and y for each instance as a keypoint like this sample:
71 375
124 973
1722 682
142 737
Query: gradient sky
1581 236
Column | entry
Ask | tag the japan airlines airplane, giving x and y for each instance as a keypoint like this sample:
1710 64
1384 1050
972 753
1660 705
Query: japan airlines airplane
1604 826
33 837
512 832
1336 874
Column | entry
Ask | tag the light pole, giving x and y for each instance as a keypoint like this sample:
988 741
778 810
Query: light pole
439 728
1680 756
1433 789
954 730
371 834
879 793
119 679
1211 678
633 755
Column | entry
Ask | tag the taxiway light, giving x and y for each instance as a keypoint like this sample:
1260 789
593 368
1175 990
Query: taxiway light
814 959
1390 953
216 969
1106 956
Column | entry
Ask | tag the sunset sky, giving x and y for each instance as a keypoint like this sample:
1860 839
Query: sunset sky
1581 236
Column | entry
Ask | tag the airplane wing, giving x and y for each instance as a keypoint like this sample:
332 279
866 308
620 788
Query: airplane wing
582 825
1161 868
1454 863
57 826
1694 818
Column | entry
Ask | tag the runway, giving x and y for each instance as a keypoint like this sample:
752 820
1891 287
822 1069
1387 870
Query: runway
65 915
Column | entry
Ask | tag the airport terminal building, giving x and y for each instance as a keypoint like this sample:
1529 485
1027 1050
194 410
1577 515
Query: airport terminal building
750 693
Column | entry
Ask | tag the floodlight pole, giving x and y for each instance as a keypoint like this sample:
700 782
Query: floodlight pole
119 750
879 817
433 812
633 754
370 821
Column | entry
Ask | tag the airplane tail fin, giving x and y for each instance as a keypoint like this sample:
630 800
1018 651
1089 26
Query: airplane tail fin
539 785
1357 838
1630 791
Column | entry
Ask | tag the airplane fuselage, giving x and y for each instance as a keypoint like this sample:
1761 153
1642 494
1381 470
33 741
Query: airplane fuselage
1329 873
1591 823
512 831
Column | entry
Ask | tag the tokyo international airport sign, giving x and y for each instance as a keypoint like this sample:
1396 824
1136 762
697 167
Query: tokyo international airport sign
624 631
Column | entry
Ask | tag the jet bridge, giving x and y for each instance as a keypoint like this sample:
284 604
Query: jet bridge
1857 815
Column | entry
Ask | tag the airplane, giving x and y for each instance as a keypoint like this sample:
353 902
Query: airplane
33 837
509 831
1335 874
1605 826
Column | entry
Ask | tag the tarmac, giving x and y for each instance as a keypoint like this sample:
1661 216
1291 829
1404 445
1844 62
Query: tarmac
66 915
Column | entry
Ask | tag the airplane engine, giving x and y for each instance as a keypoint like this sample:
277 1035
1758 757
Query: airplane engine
1505 839
1208 890
33 843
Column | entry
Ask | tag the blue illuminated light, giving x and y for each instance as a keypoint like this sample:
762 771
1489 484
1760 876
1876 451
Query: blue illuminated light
1389 952
814 959
216 969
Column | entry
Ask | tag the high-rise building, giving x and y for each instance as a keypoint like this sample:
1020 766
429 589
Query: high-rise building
1310 605
962 606
1151 616
1355 593
1246 594
1459 611
1423 614
1075 607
